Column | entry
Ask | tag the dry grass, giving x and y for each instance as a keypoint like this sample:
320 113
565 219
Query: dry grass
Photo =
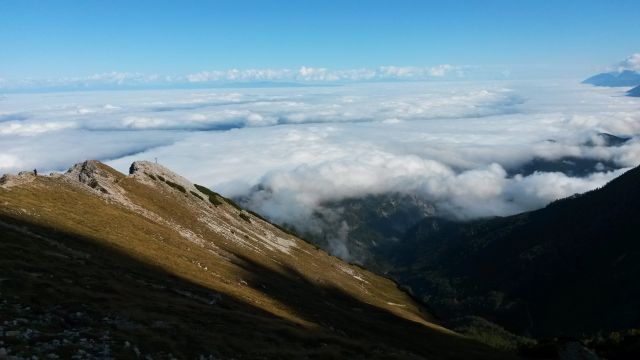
222 284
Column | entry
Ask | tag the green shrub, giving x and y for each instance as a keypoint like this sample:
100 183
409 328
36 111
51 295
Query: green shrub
196 195
232 203
161 178
489 333
214 198
151 176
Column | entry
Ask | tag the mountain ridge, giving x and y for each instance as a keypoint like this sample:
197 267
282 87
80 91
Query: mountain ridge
156 265
540 273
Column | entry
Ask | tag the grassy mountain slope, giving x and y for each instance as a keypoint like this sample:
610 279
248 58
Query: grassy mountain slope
96 263
568 269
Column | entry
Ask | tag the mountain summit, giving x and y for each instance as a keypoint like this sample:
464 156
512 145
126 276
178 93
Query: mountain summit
99 264
615 79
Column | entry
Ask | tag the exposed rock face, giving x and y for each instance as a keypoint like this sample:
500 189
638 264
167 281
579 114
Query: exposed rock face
147 170
92 174
10 180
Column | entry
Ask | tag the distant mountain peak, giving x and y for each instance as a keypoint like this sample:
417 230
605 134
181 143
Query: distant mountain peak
615 79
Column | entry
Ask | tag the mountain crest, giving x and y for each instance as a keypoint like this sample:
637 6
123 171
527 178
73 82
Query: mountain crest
149 172
10 180
94 174
192 268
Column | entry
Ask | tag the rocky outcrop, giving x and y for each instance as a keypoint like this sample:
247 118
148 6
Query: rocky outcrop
93 174
150 172
10 180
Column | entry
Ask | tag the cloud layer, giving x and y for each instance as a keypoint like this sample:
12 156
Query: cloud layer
288 151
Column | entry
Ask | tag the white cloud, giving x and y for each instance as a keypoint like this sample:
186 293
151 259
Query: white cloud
8 161
17 128
630 63
241 75
412 72
316 74
119 78
451 143
293 195
204 76
304 74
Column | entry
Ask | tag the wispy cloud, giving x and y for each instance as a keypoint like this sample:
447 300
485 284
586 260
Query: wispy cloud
320 74
304 74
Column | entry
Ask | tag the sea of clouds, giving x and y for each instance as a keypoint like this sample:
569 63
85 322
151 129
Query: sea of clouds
288 150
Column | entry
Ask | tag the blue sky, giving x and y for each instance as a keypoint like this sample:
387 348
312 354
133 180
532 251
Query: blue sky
49 39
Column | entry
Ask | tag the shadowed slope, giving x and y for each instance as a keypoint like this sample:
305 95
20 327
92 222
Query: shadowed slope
570 268
135 264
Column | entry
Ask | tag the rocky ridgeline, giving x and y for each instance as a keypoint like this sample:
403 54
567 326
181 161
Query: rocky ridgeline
105 181
90 173
10 180
147 170
262 290
95 175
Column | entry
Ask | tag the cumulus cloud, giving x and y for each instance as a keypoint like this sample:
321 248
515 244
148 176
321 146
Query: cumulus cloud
319 74
17 128
294 195
632 62
115 77
412 72
304 74
107 79
289 151
240 75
